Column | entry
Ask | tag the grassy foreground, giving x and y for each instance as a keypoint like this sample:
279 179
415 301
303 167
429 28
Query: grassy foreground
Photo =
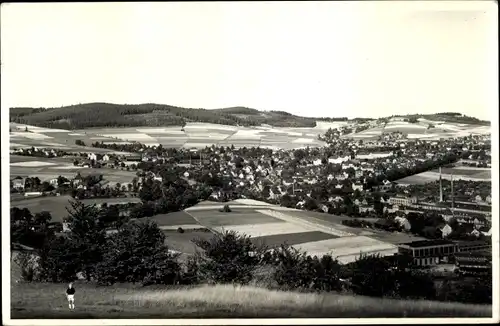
46 300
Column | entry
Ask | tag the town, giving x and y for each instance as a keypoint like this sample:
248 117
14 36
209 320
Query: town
250 160
350 190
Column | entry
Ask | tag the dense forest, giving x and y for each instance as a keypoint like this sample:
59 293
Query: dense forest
113 115
89 115
450 117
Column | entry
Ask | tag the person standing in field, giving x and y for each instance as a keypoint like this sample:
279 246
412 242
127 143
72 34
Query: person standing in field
70 294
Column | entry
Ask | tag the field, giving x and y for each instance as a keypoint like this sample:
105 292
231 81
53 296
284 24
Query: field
315 233
194 135
420 130
46 301
56 205
459 173
53 138
200 135
110 201
182 242
49 168
173 219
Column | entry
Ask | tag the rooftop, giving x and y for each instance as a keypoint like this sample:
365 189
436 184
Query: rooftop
478 254
474 243
428 243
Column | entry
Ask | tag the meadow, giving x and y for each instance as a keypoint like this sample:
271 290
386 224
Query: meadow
56 205
193 135
420 130
48 301
458 173
316 233
49 168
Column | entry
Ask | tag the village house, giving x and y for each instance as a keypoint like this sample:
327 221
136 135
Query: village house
32 193
357 186
446 230
77 180
403 222
134 158
366 208
18 183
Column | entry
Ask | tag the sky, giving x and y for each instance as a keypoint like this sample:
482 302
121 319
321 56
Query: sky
323 59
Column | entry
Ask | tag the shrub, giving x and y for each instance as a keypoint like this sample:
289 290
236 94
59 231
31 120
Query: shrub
180 230
228 258
295 270
225 209
371 276
28 263
79 142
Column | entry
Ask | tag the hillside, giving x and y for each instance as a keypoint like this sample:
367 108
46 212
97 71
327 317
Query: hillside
114 115
44 300
90 115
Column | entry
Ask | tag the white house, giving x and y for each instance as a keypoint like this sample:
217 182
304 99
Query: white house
403 222
32 193
18 183
105 158
186 174
478 199
317 162
66 227
92 156
357 187
475 233
446 231
488 234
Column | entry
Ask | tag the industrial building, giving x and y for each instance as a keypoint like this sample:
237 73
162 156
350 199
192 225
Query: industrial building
431 252
475 263
428 252
403 201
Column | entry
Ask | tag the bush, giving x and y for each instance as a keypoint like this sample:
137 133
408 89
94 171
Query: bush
79 142
180 230
228 258
28 263
371 277
295 270
225 209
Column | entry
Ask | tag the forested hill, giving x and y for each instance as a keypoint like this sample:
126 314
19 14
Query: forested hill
155 115
115 115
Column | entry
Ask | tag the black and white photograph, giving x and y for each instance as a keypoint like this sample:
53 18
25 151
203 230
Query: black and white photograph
297 162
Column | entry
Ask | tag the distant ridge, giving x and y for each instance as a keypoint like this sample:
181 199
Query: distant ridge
90 115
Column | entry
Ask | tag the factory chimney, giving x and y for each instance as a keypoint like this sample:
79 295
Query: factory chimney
440 186
452 194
